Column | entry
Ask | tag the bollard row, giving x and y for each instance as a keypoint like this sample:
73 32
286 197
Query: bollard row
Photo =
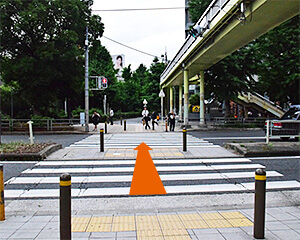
101 140
2 205
65 206
260 204
184 140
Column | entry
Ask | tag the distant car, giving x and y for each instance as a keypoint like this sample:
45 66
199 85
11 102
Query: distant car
288 125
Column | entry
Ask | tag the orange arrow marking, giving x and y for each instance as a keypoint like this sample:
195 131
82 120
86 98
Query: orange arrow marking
145 179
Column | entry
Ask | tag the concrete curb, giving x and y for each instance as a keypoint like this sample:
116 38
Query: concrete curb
31 156
265 150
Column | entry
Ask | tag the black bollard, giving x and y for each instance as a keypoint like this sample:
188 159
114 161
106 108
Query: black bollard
260 203
124 125
121 121
184 139
65 206
101 140
105 127
2 205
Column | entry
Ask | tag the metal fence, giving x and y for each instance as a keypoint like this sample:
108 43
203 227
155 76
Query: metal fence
237 122
39 124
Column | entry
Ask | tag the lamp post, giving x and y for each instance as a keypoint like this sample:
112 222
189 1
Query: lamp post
145 103
86 80
162 95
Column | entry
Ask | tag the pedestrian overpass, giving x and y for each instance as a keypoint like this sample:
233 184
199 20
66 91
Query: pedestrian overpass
225 26
260 103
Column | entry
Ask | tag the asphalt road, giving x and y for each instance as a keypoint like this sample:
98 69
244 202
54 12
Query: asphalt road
220 137
13 169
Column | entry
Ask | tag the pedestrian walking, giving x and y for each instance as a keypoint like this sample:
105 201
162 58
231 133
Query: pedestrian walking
145 114
95 120
111 115
154 119
171 120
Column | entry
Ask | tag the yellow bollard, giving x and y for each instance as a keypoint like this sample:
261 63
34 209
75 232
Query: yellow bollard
2 206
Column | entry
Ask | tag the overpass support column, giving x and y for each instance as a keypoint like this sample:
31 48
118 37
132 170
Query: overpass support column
171 99
186 97
180 102
202 122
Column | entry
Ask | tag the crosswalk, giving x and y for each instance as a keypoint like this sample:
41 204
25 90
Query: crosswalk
99 178
112 177
155 140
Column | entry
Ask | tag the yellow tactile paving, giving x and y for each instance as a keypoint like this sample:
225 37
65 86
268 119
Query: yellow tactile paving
79 224
184 237
149 233
240 222
230 215
123 223
178 154
121 219
171 225
218 223
195 224
123 227
175 232
190 217
109 155
98 227
151 238
100 224
147 225
168 218
211 216
146 218
160 226
99 220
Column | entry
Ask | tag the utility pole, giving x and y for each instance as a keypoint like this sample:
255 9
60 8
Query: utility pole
86 88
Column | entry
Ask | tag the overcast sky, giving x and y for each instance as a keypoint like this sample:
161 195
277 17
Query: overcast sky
148 31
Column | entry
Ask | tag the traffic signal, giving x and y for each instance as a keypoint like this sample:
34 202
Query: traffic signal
104 82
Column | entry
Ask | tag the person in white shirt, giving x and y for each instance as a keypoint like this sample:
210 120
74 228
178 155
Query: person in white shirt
111 114
145 114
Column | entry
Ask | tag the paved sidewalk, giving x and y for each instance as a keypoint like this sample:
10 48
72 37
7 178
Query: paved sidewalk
281 223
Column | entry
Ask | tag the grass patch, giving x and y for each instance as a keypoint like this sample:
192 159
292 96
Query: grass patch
20 147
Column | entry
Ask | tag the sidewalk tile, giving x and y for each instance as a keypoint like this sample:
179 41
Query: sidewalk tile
287 234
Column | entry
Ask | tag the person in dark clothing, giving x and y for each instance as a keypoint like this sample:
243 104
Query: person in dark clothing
95 120
154 119
171 120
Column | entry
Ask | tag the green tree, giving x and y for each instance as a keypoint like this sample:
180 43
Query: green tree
197 8
278 67
42 49
151 87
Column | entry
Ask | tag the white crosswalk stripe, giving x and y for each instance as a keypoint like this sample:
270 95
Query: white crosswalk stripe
158 140
104 178
238 176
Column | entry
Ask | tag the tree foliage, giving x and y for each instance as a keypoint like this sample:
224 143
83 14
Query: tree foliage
141 84
42 49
